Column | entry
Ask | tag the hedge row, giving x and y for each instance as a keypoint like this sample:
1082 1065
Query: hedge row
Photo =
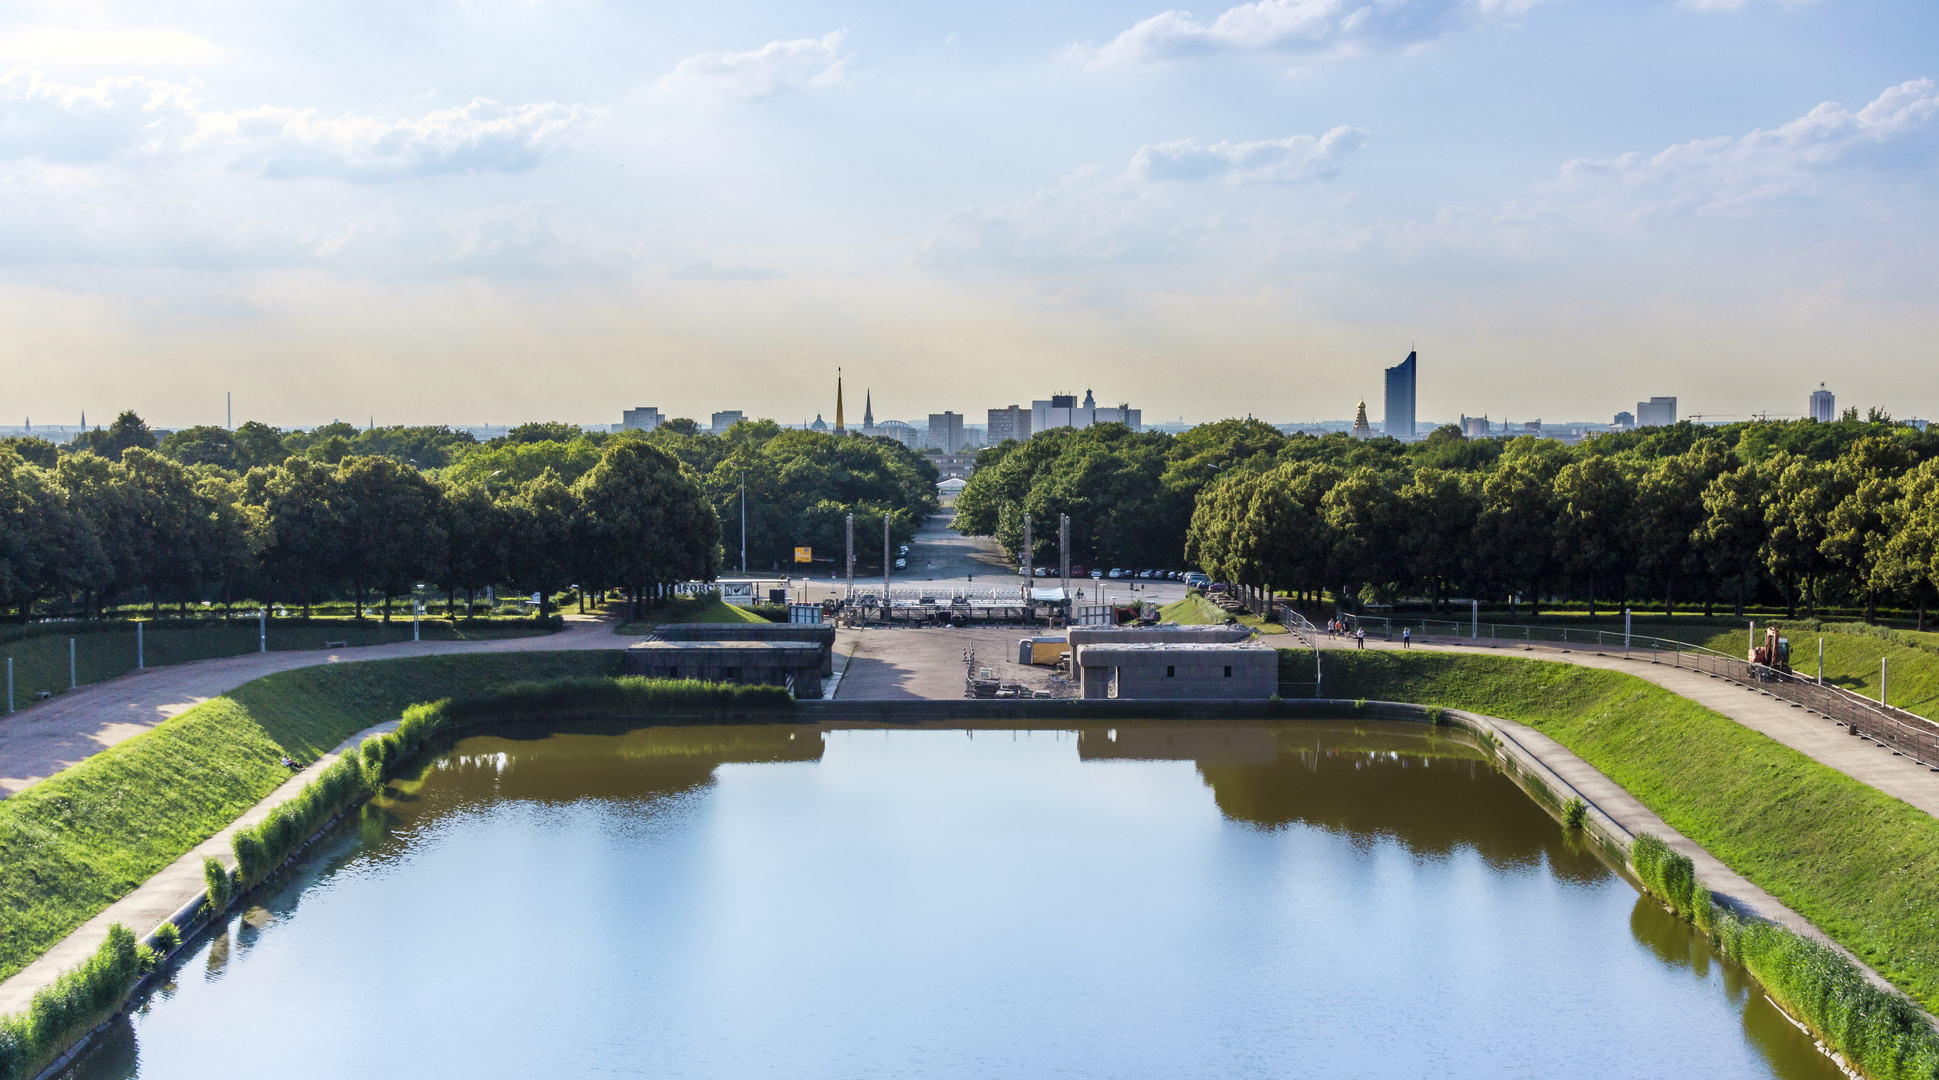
1881 1034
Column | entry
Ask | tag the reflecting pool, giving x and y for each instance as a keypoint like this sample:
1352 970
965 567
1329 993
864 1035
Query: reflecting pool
1130 900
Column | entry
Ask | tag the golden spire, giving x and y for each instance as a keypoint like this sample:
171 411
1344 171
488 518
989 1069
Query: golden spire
838 401
1362 429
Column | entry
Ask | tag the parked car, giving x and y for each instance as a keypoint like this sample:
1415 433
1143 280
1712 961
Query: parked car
1097 575
1042 571
1115 574
902 564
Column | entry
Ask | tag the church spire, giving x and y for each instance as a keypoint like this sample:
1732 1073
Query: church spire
868 410
838 402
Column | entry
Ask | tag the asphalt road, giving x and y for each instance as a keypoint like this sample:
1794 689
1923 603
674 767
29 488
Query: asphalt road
942 558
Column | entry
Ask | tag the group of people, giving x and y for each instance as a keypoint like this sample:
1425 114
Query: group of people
1338 627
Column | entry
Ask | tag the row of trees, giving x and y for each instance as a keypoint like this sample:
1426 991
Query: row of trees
1805 513
98 530
209 513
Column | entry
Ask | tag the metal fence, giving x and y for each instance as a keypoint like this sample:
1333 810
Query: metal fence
1906 733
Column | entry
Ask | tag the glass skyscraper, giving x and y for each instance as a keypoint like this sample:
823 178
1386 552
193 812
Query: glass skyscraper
1400 400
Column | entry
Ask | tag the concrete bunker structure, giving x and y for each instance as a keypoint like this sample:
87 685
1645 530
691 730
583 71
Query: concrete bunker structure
793 664
1095 677
821 635
1179 672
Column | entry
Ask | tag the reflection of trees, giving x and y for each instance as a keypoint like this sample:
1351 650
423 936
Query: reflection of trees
1427 790
543 764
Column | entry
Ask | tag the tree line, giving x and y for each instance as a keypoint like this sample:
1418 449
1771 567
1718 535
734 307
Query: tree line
122 515
1801 513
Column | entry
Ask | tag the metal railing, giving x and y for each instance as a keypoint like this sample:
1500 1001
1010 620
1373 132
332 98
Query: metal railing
1908 733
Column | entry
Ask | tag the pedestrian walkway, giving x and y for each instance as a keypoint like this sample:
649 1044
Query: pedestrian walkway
38 742
1814 736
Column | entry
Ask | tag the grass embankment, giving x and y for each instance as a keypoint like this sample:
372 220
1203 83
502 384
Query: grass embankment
1852 655
702 609
1196 610
40 658
1859 864
78 841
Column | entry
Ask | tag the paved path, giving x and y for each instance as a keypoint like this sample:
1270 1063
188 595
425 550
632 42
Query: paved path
1812 735
38 742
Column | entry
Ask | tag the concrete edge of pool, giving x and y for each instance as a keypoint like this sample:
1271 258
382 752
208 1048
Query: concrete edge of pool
1548 772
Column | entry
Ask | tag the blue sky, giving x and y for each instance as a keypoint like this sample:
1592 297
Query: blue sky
497 211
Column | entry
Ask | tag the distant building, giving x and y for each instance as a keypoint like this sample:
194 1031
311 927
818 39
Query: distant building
959 465
1824 405
1400 400
945 432
1624 421
1656 412
907 434
1474 427
1362 429
644 418
819 424
1532 426
1063 410
726 419
1008 423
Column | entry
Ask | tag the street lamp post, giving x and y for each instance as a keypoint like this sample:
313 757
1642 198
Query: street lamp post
743 522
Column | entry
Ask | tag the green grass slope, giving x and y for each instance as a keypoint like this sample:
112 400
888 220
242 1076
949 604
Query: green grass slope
703 609
78 841
1861 865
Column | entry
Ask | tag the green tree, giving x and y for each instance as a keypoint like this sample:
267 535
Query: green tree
202 445
1670 517
643 520
1592 502
127 432
1857 532
1910 564
1732 536
306 513
33 451
1515 536
544 516
1797 505
1362 514
392 528
1439 512
477 543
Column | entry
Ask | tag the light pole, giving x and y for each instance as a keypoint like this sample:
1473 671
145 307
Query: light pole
743 522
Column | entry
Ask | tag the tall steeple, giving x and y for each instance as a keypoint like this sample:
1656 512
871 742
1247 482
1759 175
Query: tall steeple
838 402
1362 429
868 410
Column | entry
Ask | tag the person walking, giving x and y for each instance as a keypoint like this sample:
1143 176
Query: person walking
1360 638
1406 637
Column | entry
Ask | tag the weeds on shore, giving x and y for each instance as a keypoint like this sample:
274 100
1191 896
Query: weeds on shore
75 1002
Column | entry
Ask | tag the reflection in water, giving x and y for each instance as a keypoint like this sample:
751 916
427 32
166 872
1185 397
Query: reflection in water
1215 900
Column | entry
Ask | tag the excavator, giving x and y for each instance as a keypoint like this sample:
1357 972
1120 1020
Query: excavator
1775 653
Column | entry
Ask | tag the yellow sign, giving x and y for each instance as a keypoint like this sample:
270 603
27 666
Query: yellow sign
804 554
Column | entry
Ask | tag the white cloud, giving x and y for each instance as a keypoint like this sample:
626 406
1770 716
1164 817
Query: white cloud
1738 5
1730 174
779 67
708 271
146 119
1273 161
1149 212
1294 26
123 48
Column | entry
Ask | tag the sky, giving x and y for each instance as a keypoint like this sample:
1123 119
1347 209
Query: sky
495 211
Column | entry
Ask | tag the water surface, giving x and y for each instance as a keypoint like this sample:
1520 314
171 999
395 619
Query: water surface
1137 900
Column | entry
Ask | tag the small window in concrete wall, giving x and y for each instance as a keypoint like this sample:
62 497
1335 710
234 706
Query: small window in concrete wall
735 673
1171 672
1228 671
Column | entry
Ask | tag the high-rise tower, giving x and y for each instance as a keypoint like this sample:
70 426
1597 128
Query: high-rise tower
1824 406
1400 400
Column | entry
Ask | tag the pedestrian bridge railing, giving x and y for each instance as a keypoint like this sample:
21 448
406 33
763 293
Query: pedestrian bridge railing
1904 732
